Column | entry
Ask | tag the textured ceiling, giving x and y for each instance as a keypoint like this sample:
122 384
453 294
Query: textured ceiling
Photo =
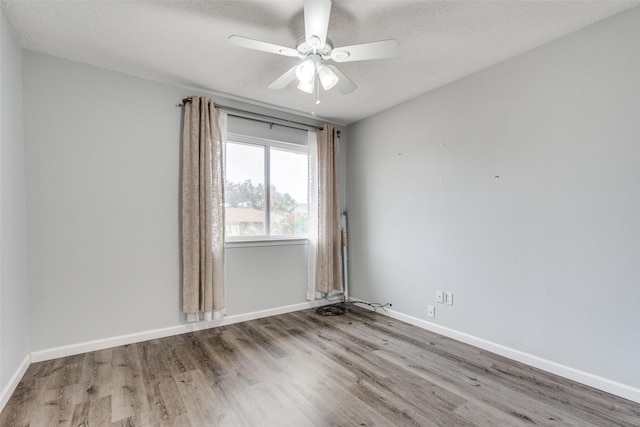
185 42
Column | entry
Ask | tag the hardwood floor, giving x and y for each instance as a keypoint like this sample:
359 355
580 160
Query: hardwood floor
303 369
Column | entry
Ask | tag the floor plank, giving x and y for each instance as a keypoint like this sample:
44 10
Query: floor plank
302 369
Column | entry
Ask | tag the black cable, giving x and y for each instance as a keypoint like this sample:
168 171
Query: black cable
340 308
336 309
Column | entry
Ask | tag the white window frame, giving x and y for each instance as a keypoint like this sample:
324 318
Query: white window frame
267 144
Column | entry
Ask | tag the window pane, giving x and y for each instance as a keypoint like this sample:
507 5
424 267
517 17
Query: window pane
244 190
289 199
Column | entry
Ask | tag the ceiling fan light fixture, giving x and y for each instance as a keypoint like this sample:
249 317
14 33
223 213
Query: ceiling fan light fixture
314 49
306 70
327 77
306 87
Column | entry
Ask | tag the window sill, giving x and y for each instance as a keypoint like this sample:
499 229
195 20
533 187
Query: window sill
233 244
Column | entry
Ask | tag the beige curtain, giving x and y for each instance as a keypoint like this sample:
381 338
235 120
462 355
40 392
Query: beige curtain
329 264
202 211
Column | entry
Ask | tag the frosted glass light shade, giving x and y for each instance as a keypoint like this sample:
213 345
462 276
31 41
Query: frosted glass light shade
306 86
306 70
327 77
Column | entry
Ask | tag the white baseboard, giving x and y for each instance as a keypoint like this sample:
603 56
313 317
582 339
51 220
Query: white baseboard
79 348
600 383
604 384
10 387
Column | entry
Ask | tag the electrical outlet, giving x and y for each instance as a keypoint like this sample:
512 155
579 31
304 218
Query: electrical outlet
440 297
431 311
448 297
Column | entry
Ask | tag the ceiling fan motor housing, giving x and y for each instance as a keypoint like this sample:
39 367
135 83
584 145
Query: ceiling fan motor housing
305 48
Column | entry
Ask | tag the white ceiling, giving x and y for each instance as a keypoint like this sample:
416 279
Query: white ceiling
185 42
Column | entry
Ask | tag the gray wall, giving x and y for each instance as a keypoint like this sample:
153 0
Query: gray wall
14 320
102 168
517 188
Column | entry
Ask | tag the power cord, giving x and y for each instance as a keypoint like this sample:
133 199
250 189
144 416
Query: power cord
340 308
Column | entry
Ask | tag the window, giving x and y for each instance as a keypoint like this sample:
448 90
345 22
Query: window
266 189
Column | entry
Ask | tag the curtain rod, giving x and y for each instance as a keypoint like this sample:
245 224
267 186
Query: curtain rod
271 122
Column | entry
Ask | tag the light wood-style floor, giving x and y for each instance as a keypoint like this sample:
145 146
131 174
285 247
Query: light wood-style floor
303 369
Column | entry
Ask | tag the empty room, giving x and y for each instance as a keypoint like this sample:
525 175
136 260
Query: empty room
319 213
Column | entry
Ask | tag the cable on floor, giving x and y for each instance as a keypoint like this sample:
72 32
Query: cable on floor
340 308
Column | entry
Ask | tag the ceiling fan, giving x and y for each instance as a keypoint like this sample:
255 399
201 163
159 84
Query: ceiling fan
315 50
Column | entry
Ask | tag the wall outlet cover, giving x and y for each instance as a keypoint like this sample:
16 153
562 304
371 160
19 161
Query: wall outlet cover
449 298
431 311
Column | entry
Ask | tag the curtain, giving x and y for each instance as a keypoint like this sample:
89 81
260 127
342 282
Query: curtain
312 246
202 211
329 246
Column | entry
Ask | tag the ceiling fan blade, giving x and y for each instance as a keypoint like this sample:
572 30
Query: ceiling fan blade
285 79
316 21
360 52
263 46
344 85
